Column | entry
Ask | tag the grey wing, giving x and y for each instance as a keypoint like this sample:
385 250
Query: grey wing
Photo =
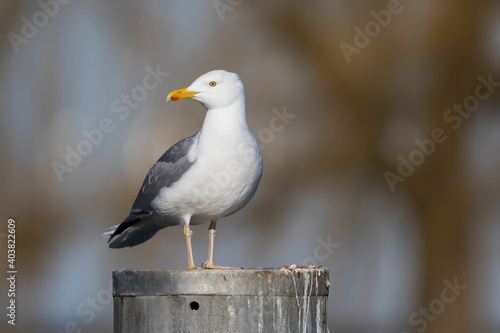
166 171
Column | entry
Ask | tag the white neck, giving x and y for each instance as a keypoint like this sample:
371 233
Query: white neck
225 123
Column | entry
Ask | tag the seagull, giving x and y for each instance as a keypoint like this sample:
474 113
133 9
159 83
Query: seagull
204 177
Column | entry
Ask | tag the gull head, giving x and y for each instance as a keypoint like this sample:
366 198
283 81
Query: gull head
215 89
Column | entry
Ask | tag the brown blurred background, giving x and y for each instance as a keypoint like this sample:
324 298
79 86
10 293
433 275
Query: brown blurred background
364 84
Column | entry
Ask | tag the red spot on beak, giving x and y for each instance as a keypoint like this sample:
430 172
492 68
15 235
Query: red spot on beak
175 98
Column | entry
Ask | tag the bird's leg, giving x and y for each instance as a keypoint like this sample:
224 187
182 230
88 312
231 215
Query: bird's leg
209 264
211 236
187 235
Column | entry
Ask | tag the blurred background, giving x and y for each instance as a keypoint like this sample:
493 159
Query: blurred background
372 168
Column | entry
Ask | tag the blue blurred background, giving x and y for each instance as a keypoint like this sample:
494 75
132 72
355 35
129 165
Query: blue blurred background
356 178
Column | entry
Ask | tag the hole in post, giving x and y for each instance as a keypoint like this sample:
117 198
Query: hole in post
194 306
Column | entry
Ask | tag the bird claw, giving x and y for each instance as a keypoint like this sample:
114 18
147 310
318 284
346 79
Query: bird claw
210 265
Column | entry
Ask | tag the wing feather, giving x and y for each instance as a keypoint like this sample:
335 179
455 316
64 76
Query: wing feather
169 168
166 171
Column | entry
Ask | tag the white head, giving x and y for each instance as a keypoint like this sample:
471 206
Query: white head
215 89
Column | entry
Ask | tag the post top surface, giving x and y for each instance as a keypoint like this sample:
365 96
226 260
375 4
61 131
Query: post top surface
251 282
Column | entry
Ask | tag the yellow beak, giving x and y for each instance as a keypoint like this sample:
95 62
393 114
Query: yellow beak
180 94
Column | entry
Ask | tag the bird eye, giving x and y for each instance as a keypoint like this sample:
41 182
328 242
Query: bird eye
212 84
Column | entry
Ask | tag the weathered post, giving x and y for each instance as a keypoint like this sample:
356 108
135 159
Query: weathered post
220 301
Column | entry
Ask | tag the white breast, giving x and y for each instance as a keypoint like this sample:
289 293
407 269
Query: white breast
222 180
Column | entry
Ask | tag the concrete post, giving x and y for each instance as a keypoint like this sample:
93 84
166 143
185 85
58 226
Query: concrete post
220 301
